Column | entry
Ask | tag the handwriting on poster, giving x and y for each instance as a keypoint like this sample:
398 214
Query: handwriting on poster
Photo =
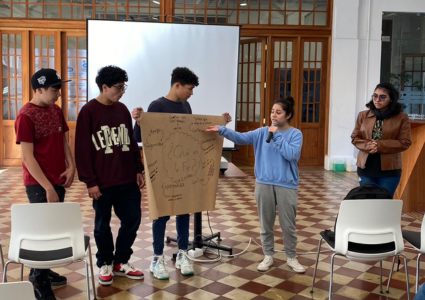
184 160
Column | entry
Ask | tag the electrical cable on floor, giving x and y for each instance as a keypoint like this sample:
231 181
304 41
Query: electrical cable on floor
234 255
219 255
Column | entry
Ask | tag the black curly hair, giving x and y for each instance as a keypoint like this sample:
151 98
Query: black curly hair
394 107
110 75
184 76
287 104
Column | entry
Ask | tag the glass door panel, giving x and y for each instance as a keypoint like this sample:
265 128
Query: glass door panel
282 68
11 83
77 72
44 51
251 93
311 83
14 80
250 81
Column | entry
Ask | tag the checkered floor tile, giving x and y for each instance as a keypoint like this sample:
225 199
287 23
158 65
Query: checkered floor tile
235 217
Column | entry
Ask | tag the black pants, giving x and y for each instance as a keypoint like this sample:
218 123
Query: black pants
37 194
126 200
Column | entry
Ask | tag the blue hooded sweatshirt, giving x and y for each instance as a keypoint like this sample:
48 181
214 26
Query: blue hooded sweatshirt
275 162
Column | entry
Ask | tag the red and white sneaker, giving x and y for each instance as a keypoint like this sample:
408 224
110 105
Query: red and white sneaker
106 277
128 270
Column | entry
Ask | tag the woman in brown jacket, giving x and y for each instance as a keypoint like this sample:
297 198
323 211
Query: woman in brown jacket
382 132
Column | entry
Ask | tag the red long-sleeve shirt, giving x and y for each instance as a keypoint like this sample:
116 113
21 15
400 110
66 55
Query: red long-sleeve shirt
105 151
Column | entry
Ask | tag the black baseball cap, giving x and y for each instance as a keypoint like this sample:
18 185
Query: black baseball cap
44 78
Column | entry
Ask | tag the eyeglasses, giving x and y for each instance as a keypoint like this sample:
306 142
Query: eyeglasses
121 88
381 97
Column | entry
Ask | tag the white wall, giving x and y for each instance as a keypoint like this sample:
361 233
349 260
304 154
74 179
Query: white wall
355 65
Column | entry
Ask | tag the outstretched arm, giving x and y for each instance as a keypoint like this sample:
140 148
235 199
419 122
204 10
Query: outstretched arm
212 129
246 138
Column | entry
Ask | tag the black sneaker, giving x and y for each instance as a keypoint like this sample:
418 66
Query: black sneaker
43 290
56 279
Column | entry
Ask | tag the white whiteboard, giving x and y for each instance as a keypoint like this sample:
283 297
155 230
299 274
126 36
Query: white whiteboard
150 51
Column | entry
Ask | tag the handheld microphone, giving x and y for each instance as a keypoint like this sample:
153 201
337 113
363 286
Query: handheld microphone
269 138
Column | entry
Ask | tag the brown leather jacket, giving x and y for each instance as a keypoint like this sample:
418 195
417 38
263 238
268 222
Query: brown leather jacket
395 139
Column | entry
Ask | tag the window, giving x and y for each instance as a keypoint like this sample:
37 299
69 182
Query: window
260 12
403 58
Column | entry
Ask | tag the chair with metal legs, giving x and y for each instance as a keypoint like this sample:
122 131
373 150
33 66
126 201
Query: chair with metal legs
2 265
366 230
49 235
414 239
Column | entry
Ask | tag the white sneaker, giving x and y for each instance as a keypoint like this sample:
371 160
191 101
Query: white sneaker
266 263
128 270
158 269
106 277
295 265
183 263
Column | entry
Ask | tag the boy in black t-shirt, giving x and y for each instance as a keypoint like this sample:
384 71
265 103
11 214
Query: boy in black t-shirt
183 81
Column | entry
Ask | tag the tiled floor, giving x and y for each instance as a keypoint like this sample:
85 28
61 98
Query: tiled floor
320 194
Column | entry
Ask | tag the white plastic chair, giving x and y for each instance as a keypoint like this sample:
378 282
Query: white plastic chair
22 290
366 230
49 235
414 239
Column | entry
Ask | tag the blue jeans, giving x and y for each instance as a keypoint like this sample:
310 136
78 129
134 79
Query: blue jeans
421 293
126 200
37 194
389 183
158 231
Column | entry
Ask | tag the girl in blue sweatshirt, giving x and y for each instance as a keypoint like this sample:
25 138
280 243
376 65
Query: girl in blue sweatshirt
277 180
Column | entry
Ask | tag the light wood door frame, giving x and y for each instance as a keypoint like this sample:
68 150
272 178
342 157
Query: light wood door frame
10 152
245 155
294 76
57 55
71 124
310 147
313 130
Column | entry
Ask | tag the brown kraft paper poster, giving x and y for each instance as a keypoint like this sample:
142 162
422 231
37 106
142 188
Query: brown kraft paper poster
182 162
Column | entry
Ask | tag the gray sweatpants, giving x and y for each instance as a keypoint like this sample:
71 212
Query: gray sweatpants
286 200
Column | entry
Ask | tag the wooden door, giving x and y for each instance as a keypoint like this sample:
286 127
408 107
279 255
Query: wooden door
313 95
74 45
283 73
23 54
299 67
251 93
14 85
45 53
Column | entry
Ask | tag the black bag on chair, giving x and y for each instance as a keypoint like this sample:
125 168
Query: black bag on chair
369 190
